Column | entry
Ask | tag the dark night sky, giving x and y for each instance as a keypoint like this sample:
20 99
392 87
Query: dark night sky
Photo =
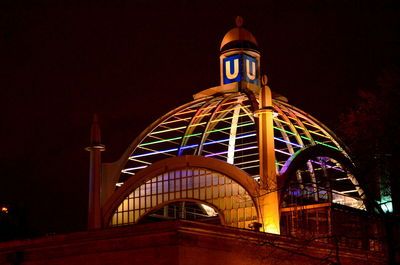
130 63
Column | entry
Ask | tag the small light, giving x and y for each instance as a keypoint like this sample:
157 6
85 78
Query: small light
4 209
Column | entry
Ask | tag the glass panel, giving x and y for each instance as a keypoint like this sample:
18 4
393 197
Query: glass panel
208 180
215 192
209 193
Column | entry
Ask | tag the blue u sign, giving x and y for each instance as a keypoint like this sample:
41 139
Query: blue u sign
240 67
233 69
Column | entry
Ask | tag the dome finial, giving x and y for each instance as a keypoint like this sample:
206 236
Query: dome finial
239 21
264 80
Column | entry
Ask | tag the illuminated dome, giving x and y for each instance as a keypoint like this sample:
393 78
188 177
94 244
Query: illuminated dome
224 127
236 154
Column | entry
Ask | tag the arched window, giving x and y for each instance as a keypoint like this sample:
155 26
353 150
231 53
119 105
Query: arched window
230 199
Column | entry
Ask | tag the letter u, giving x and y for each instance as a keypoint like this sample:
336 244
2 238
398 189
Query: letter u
228 69
251 73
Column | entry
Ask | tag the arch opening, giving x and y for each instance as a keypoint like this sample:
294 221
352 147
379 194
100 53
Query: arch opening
230 200
319 188
183 209
322 179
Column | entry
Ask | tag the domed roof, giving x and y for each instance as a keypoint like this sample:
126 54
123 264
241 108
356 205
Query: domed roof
238 37
224 127
311 163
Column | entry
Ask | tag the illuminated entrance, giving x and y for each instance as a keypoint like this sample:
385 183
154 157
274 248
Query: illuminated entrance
190 192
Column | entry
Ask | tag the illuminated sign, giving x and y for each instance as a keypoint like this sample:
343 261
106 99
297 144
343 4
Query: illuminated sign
240 67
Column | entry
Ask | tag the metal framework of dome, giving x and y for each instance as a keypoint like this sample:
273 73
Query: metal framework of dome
224 127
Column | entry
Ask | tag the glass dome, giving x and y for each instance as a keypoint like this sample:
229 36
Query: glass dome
224 127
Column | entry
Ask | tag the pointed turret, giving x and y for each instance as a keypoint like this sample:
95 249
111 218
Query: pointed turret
95 137
95 149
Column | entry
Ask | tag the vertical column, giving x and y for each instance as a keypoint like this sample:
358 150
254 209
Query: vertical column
232 135
95 149
269 201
